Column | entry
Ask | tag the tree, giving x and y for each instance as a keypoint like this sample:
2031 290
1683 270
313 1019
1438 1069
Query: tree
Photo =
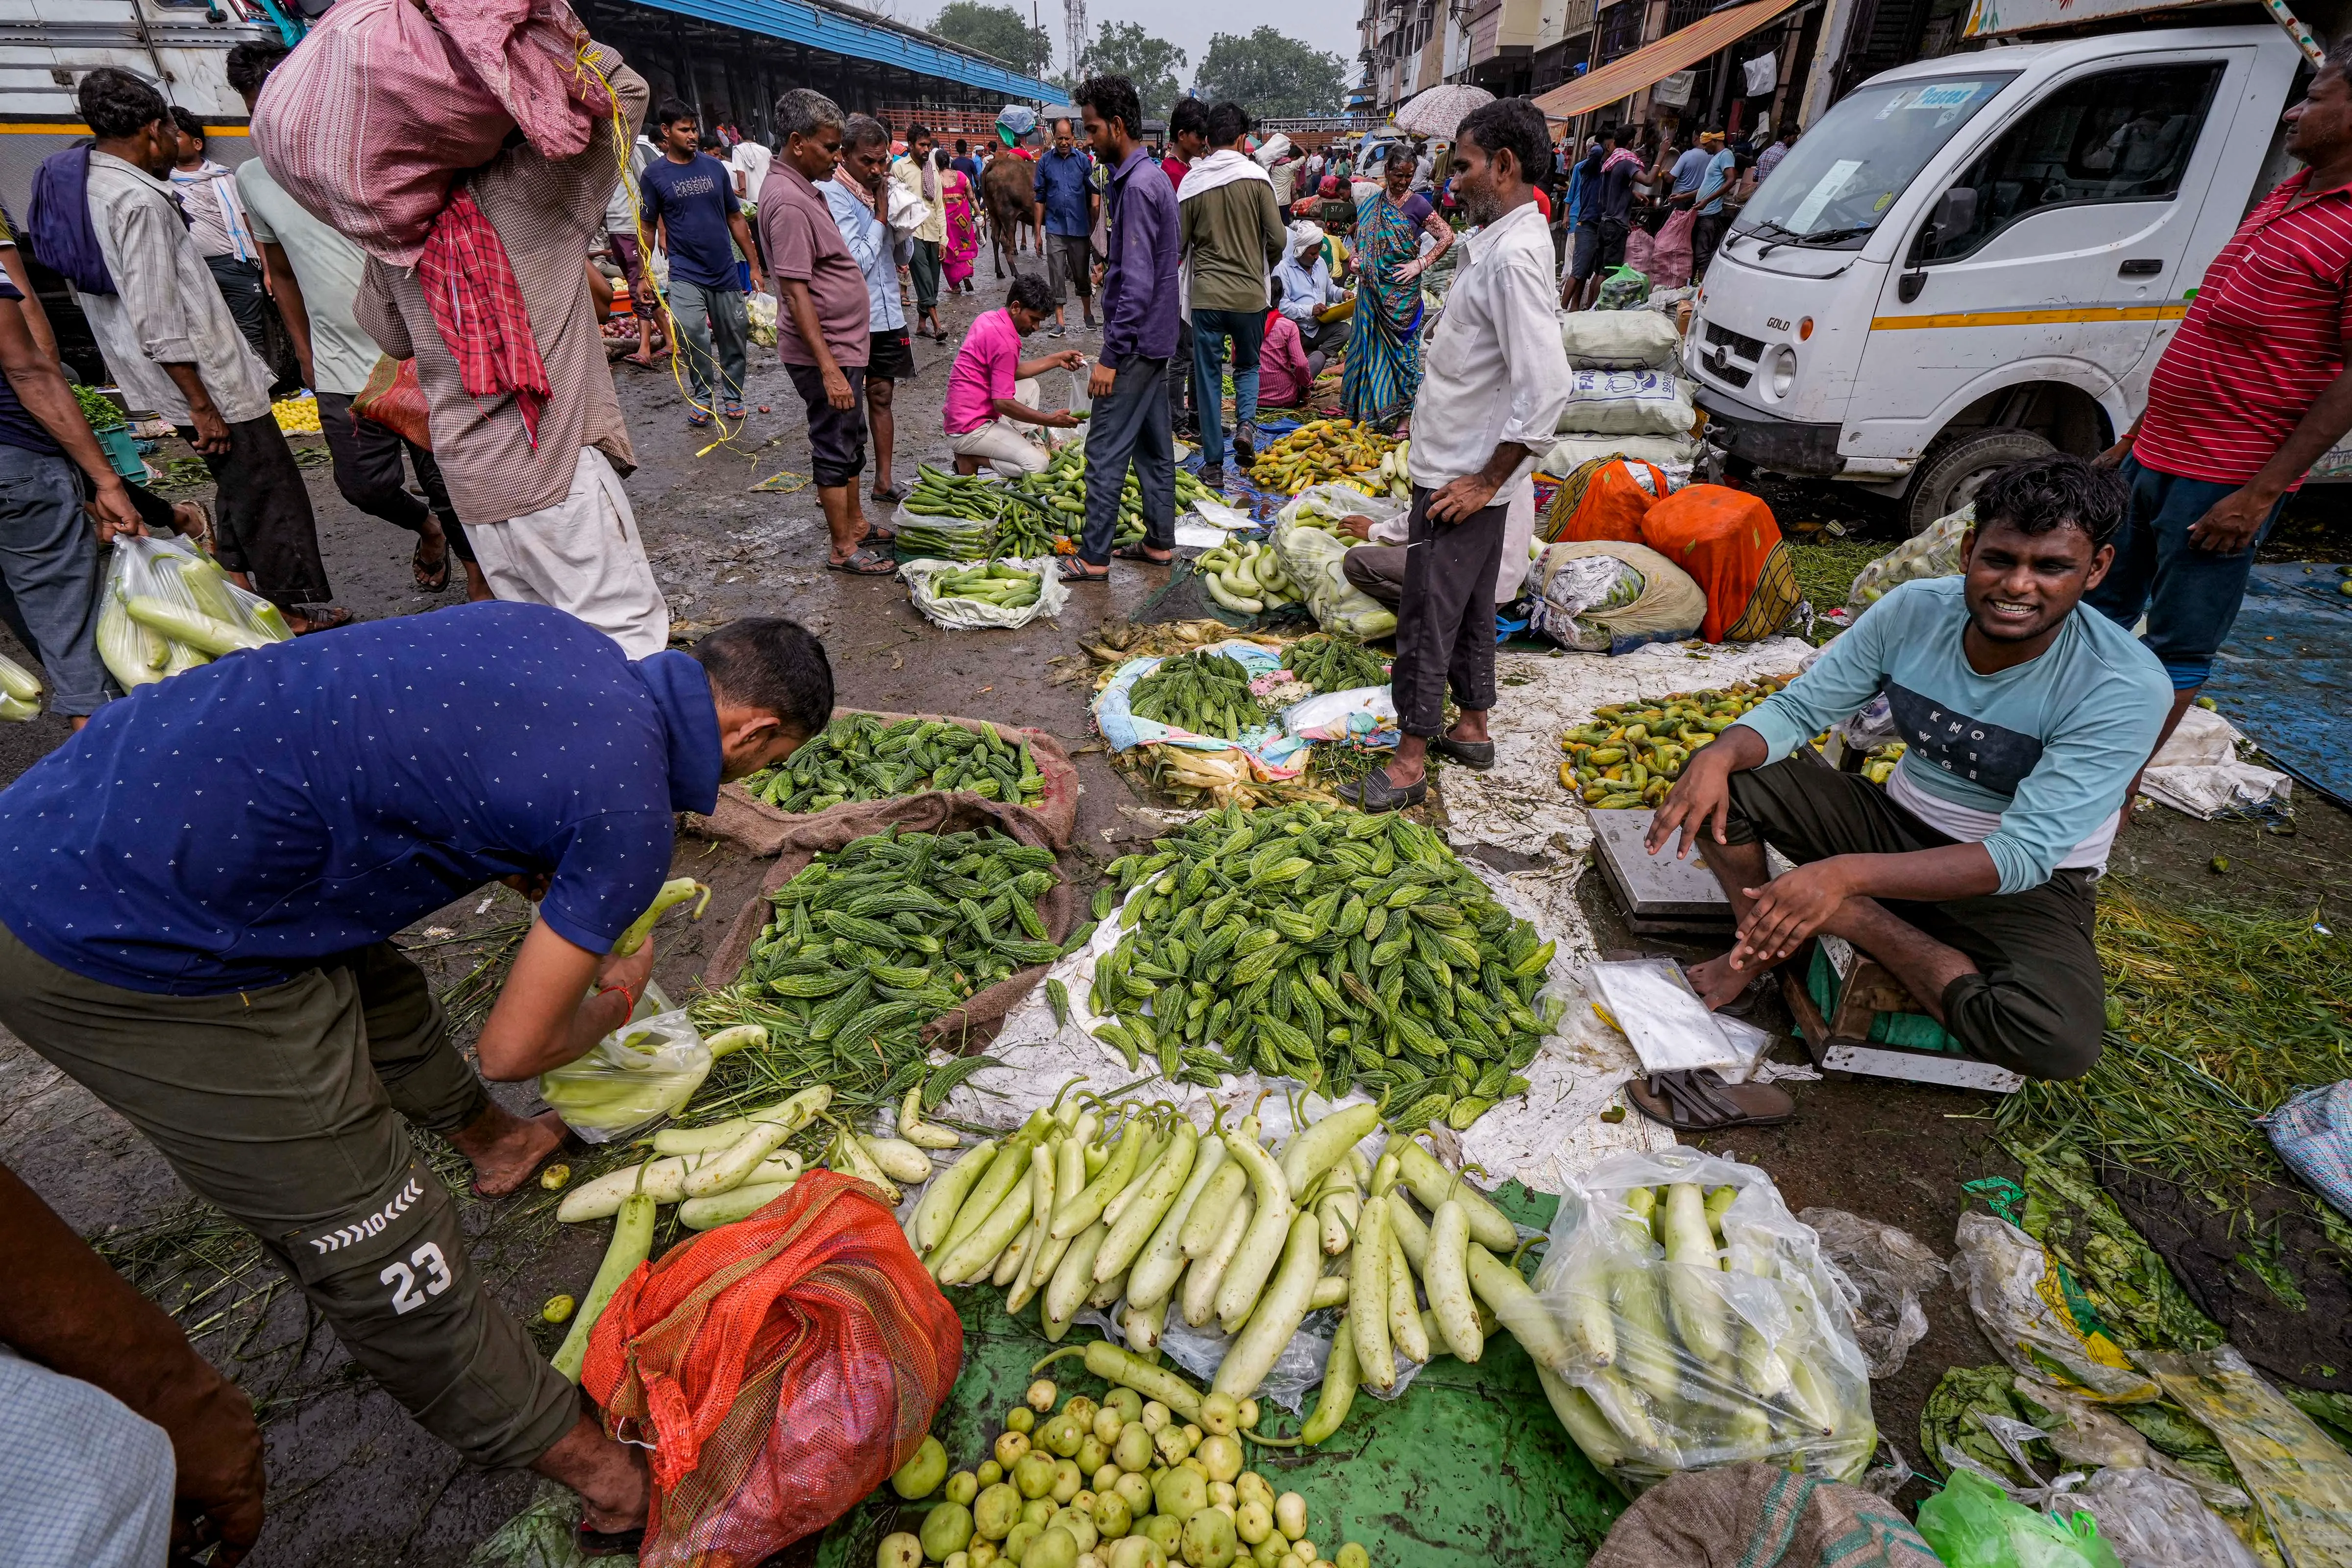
1271 76
997 31
1123 48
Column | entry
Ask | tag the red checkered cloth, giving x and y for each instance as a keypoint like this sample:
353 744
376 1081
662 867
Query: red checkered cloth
478 305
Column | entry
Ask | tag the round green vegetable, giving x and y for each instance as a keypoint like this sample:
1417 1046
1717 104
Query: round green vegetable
1020 1418
1112 1516
921 1476
1132 1452
947 1528
1138 1552
1253 1521
1041 1395
1106 1477
1179 1493
1165 1531
1127 1402
995 1512
1039 1511
1062 1435
989 1472
1352 1556
1009 1446
1219 1412
899 1550
1055 1548
1135 1491
1223 1455
1068 1481
1093 1453
1016 1543
1208 1539
1106 1423
1032 1476
1271 1551
962 1487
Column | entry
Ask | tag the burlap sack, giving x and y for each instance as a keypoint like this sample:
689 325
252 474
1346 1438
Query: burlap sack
758 828
798 839
1758 1516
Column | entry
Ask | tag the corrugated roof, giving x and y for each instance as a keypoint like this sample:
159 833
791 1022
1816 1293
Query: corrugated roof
826 27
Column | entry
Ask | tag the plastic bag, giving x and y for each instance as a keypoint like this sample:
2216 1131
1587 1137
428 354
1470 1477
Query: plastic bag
1669 607
1675 456
1972 1524
2312 1133
1618 339
1622 289
2295 1470
1933 553
1741 1352
2040 1326
2154 1521
178 586
1364 716
1628 402
631 1079
1573 585
762 311
975 615
1889 1269
776 1370
1312 555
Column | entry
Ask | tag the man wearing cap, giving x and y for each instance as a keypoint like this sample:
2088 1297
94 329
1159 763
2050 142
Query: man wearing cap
1306 290
1714 181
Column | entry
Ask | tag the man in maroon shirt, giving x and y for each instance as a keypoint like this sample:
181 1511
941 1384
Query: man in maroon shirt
2251 392
1188 138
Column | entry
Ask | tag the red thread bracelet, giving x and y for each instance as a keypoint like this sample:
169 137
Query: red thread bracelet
626 995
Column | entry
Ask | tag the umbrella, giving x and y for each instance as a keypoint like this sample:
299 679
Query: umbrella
1018 120
1440 111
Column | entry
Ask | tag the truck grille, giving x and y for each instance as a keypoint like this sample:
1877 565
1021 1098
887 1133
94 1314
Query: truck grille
1722 343
1747 348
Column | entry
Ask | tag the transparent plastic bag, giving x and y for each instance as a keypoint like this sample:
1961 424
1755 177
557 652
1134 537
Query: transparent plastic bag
1622 289
1935 552
2022 1305
958 613
1972 1524
632 1078
1311 551
1575 584
761 309
1741 1347
2152 1520
161 599
1888 1267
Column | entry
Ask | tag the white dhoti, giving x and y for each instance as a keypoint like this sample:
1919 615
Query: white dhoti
583 555
1003 442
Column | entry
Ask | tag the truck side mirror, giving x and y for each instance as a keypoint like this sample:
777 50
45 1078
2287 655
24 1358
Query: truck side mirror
1956 212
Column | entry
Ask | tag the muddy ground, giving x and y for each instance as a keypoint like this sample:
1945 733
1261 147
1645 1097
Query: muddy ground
352 1482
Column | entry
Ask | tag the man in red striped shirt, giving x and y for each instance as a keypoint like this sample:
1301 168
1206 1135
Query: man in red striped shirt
2251 392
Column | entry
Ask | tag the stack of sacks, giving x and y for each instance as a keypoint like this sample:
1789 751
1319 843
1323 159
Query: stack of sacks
1625 399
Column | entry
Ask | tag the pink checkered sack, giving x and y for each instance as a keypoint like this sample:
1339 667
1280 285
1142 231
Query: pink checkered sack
384 104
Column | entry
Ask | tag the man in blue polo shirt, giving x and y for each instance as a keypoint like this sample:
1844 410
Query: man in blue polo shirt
197 898
1065 200
689 198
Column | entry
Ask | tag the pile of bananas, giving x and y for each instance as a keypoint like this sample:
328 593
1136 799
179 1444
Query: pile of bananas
1247 578
297 415
1334 663
1205 693
1631 752
1880 766
1332 451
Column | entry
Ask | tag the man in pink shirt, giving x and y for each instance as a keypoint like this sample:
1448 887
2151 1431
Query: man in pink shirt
992 390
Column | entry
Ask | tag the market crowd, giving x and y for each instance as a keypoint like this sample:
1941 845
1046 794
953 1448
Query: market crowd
197 892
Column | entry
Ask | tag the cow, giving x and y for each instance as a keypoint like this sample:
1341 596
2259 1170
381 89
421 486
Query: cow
1008 189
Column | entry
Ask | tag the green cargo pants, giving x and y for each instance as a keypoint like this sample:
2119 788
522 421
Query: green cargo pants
284 1107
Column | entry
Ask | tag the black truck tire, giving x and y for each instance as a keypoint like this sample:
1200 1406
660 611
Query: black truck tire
1956 465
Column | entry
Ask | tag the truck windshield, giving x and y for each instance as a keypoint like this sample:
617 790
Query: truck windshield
1840 178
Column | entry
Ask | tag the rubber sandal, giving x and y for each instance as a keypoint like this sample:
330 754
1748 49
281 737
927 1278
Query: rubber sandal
609 1543
327 620
734 411
875 534
1136 552
697 420
864 563
430 579
1075 570
1476 756
1699 1101
890 497
1375 793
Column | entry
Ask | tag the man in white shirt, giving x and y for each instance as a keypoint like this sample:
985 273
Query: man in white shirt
172 346
1495 385
208 194
1304 280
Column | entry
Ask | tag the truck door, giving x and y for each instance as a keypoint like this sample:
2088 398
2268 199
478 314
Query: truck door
2065 238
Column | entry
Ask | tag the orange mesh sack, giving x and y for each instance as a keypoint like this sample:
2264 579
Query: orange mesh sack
779 1369
1605 500
1726 540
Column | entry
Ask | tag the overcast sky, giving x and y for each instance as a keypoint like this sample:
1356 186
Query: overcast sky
1328 24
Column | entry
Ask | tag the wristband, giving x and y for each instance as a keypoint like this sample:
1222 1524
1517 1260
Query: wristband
626 995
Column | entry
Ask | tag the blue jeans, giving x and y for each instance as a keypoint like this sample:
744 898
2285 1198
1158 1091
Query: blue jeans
48 576
705 313
1210 330
2190 595
1130 423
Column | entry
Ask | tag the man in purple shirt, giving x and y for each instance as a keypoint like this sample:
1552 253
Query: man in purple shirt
1129 383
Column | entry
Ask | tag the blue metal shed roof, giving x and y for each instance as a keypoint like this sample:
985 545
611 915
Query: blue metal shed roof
822 28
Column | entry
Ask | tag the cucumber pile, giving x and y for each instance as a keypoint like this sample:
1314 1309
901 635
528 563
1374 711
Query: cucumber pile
858 757
1247 578
997 583
1205 693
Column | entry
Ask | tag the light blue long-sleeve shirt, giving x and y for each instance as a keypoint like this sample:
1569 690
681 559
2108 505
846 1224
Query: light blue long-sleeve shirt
2032 762
1305 290
879 252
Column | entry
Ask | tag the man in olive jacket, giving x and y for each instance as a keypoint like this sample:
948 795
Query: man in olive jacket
1232 234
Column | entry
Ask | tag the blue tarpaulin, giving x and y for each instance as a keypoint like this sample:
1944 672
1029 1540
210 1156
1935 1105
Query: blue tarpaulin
2283 674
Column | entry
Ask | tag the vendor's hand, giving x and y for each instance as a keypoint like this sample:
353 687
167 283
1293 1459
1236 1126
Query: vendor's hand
1356 525
114 512
759 283
1104 378
1069 359
1463 499
1698 805
1059 419
631 971
217 1450
1787 910
836 389
2233 522
2113 456
212 431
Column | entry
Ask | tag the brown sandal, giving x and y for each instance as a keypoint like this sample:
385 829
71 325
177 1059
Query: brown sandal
1698 1101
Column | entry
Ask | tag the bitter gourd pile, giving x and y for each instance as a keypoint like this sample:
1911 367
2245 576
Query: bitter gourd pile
858 757
1339 949
1206 693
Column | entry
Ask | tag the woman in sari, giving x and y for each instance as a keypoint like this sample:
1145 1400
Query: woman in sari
963 234
1384 350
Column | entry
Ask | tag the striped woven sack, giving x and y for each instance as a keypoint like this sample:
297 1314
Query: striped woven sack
2312 1133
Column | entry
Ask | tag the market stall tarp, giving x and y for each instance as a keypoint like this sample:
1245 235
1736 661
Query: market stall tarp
2282 675
1653 62
1469 1468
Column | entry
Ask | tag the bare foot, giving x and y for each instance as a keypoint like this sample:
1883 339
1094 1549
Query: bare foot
506 1149
1717 984
610 1476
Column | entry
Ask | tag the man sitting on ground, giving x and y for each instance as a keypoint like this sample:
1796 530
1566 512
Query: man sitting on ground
1969 876
992 390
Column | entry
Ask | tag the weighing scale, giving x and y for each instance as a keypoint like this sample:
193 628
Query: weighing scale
1660 895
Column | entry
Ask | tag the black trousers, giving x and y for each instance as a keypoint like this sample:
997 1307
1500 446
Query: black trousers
1707 233
1445 621
1129 423
1180 378
368 473
262 521
240 286
2039 1005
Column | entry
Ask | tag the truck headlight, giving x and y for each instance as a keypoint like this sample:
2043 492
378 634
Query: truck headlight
1782 374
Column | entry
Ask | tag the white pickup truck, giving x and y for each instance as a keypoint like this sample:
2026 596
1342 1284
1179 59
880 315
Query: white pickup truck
1972 259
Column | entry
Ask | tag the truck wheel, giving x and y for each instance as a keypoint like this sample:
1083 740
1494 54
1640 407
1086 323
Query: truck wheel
1956 465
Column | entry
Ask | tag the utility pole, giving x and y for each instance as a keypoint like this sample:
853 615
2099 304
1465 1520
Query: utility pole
1074 17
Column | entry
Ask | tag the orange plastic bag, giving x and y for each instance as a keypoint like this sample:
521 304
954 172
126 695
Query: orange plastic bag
1604 501
1726 540
779 1369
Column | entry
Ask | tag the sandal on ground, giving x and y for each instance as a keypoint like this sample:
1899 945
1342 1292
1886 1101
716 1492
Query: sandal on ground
609 1543
697 420
325 619
430 579
734 409
1075 570
1137 552
1376 793
875 534
1698 1101
890 497
864 563
1476 756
